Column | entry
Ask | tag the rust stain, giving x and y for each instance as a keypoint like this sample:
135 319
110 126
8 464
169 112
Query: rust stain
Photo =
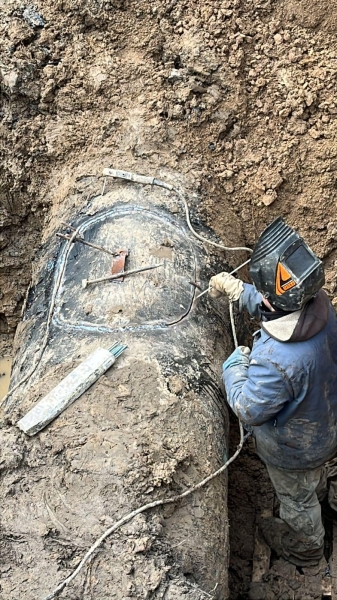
118 264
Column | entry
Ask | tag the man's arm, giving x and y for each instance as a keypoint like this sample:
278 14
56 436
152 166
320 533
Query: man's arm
250 300
256 392
245 294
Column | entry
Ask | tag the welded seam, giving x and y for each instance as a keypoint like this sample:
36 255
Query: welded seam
101 328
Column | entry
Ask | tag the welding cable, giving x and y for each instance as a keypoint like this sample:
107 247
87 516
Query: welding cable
142 509
200 237
145 180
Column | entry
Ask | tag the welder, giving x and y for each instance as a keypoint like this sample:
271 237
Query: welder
285 388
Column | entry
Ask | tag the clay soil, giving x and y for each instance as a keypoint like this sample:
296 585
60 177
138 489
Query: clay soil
234 100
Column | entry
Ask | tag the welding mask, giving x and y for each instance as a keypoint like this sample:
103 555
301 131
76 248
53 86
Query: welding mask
284 269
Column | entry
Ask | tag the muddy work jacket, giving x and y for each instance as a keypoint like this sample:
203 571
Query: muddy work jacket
288 392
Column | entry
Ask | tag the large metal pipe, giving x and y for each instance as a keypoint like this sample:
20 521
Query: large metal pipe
154 424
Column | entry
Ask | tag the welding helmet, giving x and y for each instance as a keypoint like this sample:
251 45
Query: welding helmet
284 269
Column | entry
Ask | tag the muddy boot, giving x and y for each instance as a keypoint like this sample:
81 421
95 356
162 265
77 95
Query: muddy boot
287 543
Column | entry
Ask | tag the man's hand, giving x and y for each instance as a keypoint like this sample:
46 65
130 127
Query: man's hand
240 356
224 283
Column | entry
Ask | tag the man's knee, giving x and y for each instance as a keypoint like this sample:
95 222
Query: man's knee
306 521
299 504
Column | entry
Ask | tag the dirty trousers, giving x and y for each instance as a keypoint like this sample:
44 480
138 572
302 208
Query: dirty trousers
300 493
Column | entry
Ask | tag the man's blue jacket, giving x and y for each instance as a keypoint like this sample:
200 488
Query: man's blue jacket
288 392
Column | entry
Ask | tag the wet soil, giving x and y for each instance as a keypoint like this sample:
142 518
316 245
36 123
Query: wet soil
233 100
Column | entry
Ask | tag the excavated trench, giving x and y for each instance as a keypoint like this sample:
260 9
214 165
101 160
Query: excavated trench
233 102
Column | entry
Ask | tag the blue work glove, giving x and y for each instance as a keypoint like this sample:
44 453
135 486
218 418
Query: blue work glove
240 356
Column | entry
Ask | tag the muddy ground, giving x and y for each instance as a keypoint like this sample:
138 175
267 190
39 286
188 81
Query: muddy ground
233 100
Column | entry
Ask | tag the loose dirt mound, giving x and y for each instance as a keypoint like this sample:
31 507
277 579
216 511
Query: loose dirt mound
235 100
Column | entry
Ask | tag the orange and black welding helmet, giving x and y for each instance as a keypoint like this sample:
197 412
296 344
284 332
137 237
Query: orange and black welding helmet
284 269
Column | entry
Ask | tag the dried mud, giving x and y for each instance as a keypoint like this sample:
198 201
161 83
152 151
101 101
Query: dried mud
232 100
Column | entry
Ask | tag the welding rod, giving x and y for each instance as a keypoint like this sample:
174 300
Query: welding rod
79 239
86 282
70 388
231 273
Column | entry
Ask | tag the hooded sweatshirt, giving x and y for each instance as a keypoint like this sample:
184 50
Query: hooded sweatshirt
288 392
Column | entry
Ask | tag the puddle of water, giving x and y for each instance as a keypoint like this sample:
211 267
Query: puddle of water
5 373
